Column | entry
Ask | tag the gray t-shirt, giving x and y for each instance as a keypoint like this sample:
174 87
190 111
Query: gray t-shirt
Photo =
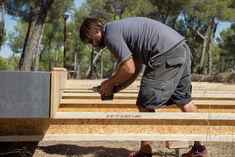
139 37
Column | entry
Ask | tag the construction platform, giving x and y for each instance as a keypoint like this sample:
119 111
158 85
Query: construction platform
73 112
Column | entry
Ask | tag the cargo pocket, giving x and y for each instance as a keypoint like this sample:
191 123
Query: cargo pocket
155 64
150 94
175 61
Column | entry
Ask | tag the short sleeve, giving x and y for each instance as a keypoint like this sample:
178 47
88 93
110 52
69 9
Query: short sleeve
118 48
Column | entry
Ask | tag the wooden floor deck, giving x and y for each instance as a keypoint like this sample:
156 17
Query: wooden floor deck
77 113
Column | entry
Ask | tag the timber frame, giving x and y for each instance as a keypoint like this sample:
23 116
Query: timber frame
77 114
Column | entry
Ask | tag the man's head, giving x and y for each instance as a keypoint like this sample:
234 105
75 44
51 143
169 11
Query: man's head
91 32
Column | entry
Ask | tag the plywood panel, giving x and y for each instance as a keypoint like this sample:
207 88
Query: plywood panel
132 101
58 80
117 126
120 137
77 84
133 108
196 96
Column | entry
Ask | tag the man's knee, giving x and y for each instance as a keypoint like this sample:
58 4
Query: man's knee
190 107
142 109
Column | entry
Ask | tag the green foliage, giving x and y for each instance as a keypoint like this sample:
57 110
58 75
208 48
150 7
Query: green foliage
4 34
16 38
167 11
5 64
227 47
185 16
59 9
228 40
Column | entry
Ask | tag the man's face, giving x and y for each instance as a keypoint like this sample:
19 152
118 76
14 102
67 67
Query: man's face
97 41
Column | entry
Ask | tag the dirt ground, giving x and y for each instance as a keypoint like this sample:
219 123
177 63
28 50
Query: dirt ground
101 149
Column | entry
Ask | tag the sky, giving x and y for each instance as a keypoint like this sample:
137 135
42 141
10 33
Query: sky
10 23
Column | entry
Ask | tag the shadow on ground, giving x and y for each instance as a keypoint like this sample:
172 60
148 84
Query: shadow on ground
27 149
17 149
75 150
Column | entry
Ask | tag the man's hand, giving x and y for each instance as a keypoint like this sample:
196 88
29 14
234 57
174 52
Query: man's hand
106 88
125 71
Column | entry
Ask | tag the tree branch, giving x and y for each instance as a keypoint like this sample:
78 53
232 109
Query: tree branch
198 33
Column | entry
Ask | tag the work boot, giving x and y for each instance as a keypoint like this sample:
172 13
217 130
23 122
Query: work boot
195 152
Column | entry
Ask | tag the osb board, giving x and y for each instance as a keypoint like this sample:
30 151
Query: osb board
196 96
133 101
23 126
109 126
133 108
76 84
119 137
58 80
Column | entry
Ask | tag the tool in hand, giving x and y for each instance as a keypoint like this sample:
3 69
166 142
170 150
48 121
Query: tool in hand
109 97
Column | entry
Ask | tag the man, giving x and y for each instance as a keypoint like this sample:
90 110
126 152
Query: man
167 76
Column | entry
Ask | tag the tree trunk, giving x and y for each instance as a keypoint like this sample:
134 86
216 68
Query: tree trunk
56 58
204 48
94 62
49 56
102 66
38 54
192 46
3 23
76 64
210 46
174 21
35 36
233 63
76 67
25 43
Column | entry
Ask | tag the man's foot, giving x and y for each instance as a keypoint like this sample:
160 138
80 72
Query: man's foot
195 152
135 154
139 154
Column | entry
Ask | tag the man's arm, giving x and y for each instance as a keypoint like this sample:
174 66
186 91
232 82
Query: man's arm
125 74
138 68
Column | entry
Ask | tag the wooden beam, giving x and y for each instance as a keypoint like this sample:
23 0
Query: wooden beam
141 115
118 137
58 80
78 84
133 108
140 128
196 96
133 101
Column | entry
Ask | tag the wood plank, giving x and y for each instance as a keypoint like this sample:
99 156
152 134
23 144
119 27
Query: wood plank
121 127
141 115
74 84
58 80
132 101
196 96
118 137
133 108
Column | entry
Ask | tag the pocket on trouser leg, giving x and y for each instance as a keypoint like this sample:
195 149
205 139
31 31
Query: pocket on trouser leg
175 61
150 94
